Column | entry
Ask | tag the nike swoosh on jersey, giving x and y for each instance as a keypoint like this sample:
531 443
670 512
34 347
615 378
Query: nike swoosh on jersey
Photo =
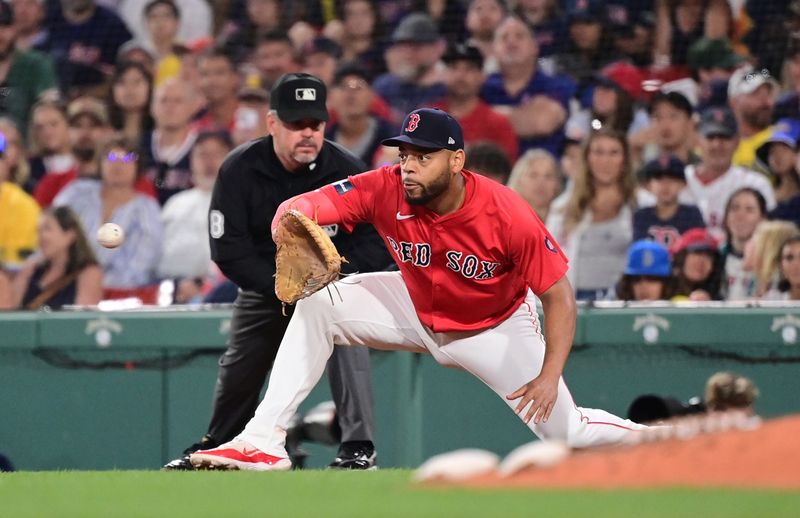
404 216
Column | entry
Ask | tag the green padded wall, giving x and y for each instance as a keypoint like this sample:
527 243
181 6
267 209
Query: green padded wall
130 390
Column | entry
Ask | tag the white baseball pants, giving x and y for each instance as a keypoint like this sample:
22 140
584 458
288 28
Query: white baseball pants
377 312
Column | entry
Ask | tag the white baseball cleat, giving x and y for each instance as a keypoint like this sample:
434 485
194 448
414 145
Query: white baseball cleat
238 455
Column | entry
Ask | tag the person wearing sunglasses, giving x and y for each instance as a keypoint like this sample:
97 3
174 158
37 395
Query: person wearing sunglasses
115 199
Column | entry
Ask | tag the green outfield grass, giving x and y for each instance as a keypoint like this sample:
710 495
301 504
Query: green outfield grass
323 493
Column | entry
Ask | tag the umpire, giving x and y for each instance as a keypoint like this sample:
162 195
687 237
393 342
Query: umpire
254 179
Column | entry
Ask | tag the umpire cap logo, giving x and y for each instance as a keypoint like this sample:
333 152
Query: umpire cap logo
305 94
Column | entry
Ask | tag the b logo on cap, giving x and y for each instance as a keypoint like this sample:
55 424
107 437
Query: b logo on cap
305 94
413 122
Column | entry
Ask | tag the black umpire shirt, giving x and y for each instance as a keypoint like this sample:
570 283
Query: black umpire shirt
252 183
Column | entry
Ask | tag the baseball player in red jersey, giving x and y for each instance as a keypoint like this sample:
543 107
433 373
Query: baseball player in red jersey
473 257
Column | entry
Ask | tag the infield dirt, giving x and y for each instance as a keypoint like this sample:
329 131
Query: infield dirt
765 457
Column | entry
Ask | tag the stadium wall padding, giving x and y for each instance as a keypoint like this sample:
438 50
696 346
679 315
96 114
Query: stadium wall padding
129 390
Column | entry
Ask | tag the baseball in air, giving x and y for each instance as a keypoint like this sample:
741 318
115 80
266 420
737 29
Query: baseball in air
110 235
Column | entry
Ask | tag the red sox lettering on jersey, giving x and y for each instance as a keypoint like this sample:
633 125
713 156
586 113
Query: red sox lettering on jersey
466 270
666 235
419 254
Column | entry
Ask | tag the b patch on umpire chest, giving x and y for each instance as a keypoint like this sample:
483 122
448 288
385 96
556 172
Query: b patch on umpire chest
342 186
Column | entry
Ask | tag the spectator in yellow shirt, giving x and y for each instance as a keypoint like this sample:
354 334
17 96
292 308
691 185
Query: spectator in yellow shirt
751 94
18 216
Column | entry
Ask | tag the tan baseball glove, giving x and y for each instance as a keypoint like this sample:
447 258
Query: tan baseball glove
306 260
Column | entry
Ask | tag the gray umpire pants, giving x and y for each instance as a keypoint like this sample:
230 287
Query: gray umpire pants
257 328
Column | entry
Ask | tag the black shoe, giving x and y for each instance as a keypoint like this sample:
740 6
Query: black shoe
183 463
355 455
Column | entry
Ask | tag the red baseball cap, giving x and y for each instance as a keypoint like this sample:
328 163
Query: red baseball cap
626 76
695 240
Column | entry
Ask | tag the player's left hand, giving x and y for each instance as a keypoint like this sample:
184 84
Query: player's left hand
541 393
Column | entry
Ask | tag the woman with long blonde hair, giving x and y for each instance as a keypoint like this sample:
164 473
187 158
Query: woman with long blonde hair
762 255
790 268
537 177
594 223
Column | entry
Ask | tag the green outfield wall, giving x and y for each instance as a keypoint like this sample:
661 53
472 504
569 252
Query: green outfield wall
130 390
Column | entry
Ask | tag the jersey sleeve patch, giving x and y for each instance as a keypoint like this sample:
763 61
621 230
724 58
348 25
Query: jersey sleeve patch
549 244
343 186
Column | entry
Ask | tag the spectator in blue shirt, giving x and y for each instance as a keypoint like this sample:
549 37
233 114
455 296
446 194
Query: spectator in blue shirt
114 199
668 219
415 72
84 40
536 103
547 22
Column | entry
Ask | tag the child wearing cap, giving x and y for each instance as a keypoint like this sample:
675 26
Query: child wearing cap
668 219
647 273
697 268
779 155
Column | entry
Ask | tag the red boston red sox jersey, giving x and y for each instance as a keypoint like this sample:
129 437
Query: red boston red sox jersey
467 270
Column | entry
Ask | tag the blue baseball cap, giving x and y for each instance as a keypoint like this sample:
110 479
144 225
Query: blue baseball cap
786 131
429 128
648 258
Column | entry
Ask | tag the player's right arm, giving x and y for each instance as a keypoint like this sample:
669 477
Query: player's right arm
313 204
346 202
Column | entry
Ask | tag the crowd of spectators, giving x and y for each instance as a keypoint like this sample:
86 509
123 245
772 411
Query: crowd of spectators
657 139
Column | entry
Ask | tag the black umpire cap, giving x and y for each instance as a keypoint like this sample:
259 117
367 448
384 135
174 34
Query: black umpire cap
299 96
429 128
